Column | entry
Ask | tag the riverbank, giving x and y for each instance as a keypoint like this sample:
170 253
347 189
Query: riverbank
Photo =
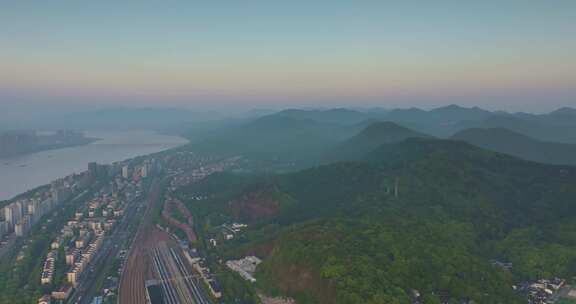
22 143
23 173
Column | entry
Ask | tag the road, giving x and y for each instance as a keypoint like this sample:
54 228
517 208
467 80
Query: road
111 246
112 249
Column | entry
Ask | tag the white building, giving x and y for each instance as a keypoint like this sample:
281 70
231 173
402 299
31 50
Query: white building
9 218
125 172
3 228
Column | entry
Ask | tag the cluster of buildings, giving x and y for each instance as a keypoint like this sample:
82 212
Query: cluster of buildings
128 170
227 232
17 142
20 215
83 235
185 177
136 172
200 267
183 161
78 257
542 291
49 267
80 239
245 267
230 230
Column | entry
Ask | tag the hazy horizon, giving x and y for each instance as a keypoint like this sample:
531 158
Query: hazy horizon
61 56
282 152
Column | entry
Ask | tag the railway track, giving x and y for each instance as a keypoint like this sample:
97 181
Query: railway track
196 291
176 280
132 283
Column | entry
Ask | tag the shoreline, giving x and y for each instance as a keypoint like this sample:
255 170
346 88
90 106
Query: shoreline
13 195
83 142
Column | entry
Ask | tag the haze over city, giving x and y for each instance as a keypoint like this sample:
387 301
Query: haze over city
288 152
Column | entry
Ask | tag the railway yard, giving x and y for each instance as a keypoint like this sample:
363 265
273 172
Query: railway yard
156 255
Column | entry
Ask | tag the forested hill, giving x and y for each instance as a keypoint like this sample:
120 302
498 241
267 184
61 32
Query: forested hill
371 137
277 137
423 214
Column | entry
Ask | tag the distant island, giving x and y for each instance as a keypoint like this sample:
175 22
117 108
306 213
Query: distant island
20 142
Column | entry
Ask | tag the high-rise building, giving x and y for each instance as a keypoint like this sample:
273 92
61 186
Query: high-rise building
9 217
32 206
19 210
93 170
144 171
3 228
12 215
21 228
125 172
60 194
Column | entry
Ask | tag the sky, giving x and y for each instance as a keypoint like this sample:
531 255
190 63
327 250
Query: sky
513 55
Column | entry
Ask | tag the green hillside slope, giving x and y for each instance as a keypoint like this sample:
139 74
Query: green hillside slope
371 137
422 215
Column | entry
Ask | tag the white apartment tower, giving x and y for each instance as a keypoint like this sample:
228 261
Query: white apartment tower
125 172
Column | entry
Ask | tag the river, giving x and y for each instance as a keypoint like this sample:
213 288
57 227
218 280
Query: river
19 174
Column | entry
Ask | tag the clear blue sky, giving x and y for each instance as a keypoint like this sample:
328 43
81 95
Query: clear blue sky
498 54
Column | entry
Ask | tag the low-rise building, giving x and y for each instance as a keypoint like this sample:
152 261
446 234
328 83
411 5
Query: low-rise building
72 277
245 267
48 269
63 293
72 256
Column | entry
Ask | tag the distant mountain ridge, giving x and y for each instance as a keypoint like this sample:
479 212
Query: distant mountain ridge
337 115
547 127
374 135
278 137
445 121
309 135
445 114
513 143
564 111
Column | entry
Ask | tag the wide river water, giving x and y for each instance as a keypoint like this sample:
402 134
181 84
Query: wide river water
19 174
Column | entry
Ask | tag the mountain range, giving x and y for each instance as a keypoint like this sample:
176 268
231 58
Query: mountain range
374 135
513 143
445 121
386 209
419 219
312 136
